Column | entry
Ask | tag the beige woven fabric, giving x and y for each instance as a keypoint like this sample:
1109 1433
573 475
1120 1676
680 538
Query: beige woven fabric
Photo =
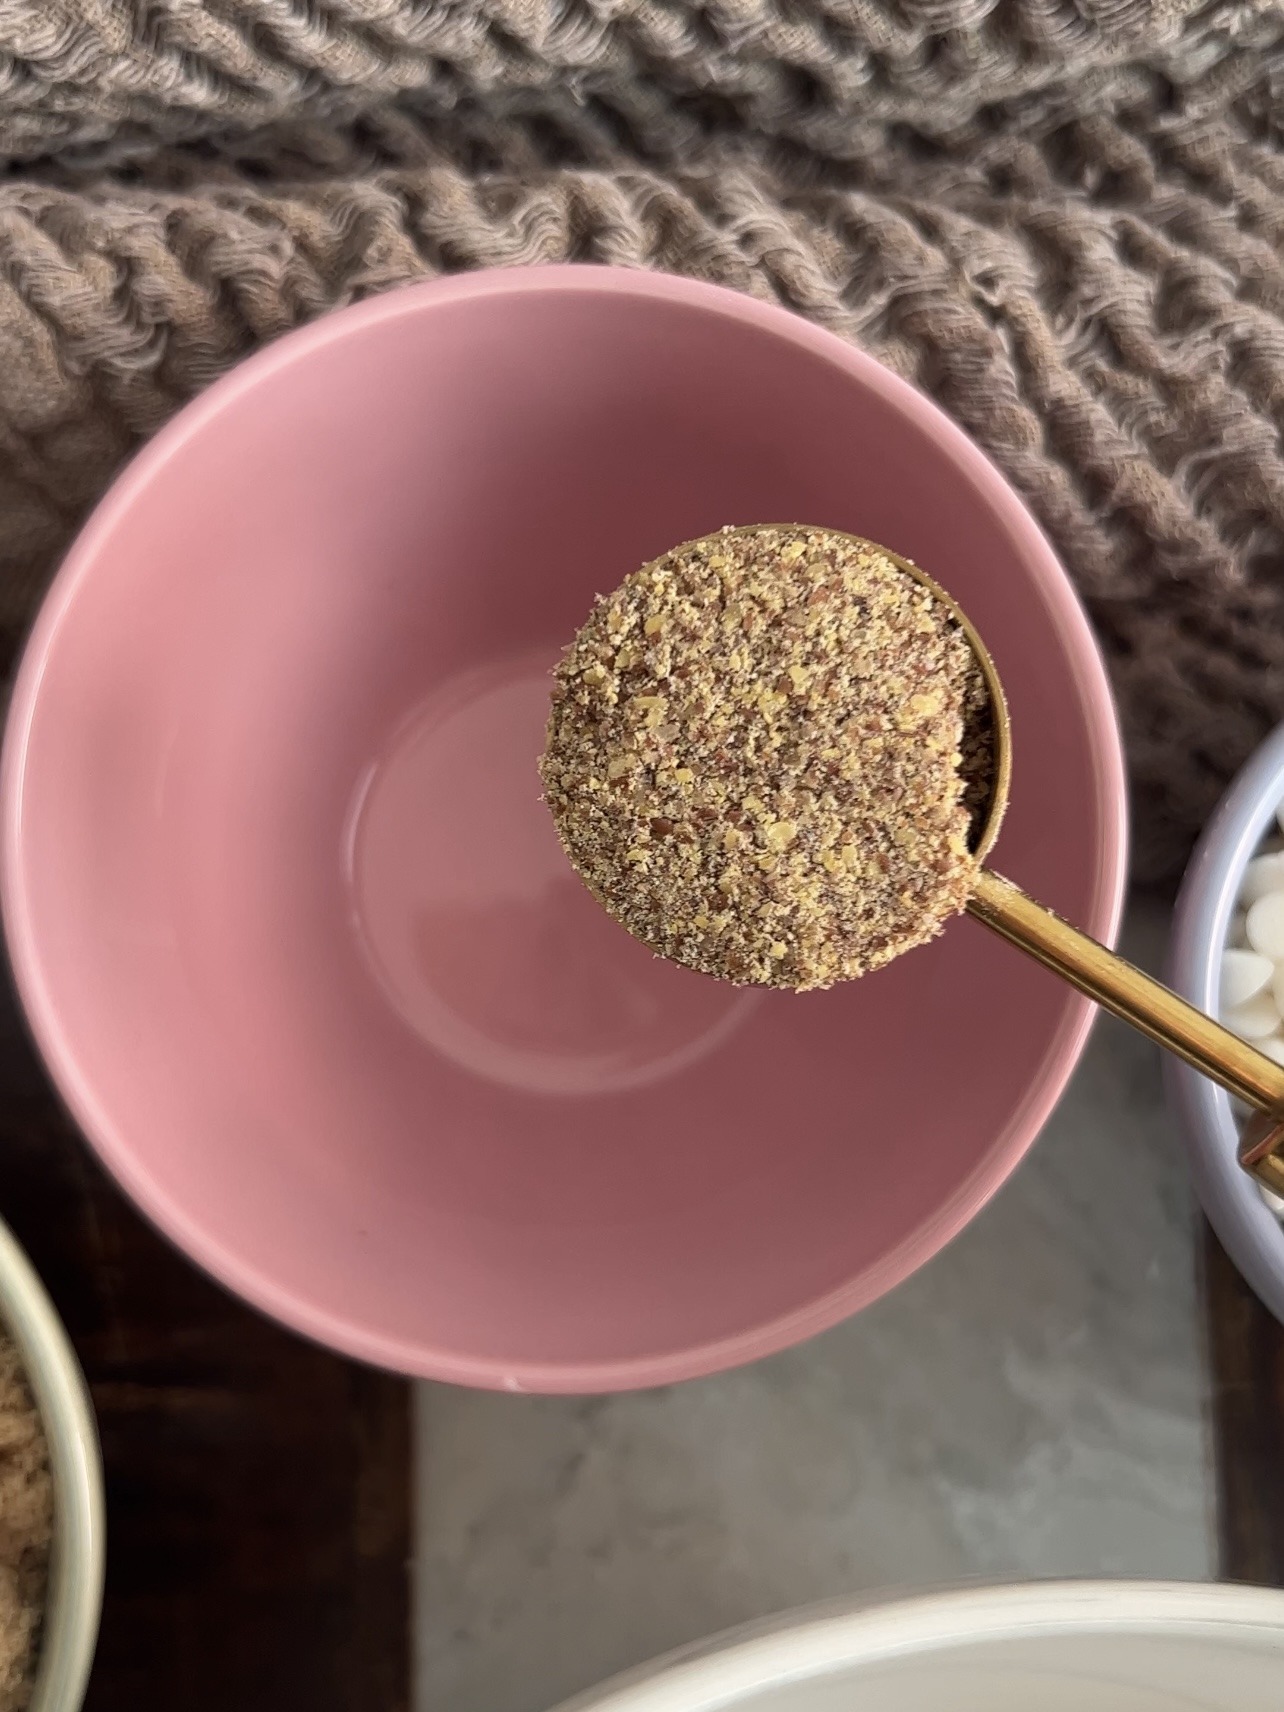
1063 218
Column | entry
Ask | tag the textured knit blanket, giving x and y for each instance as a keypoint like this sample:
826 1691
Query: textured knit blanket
1063 218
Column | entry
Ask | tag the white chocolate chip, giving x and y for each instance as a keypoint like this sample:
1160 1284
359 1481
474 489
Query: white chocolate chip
1243 974
1264 874
1256 1020
1265 926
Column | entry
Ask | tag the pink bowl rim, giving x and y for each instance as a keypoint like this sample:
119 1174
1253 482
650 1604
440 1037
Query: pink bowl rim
357 1339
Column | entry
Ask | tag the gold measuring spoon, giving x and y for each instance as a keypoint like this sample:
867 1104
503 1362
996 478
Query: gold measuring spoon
1106 978
1098 973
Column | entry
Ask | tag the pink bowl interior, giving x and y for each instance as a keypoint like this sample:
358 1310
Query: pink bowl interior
290 920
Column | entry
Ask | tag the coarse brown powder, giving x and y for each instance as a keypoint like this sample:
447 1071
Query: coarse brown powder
26 1527
754 757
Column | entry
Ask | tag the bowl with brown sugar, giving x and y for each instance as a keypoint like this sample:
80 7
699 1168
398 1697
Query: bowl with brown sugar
292 920
51 1501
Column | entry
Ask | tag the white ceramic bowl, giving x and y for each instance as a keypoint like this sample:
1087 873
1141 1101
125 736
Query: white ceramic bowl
1093 1646
1249 1231
76 1568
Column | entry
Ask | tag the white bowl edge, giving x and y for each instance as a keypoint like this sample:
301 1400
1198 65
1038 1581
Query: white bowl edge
1246 1227
805 1646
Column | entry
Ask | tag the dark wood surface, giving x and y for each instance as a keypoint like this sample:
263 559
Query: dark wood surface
258 1488
1246 1348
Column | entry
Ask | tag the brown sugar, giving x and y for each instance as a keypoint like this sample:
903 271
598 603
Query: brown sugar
754 757
26 1527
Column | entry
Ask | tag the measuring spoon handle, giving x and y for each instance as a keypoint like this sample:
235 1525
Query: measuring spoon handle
1117 986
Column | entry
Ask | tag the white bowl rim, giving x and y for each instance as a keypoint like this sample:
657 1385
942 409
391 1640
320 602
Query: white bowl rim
74 1601
717 1674
1246 1227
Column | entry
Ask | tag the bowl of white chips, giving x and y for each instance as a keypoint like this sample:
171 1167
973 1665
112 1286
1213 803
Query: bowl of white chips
1227 957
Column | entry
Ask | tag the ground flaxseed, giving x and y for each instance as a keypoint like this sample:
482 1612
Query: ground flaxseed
754 757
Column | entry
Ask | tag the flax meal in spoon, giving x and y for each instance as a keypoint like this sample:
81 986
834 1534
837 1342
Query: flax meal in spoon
755 757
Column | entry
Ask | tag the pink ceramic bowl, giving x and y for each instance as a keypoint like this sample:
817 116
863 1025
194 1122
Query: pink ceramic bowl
290 921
